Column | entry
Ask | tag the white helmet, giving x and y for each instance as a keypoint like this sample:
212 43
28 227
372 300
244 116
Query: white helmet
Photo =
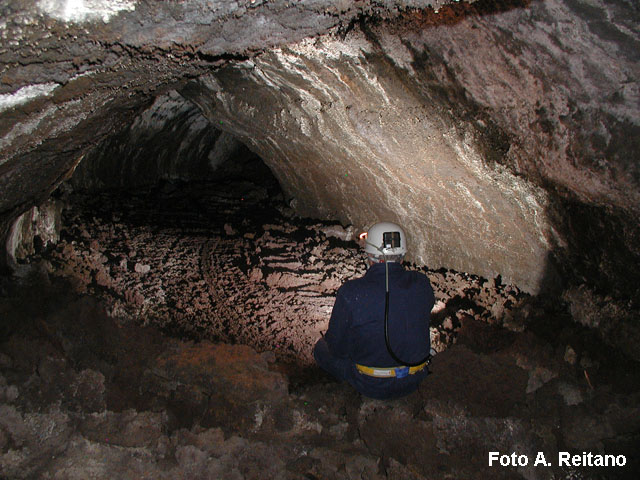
385 238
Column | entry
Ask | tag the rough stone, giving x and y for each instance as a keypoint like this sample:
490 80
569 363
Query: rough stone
612 317
272 289
35 437
509 156
216 381
502 391
34 230
345 104
181 409
126 429
378 424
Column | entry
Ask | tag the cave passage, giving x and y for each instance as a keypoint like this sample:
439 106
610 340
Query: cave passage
226 259
181 185
218 259
183 311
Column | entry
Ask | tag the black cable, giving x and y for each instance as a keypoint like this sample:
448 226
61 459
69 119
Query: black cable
426 359
386 331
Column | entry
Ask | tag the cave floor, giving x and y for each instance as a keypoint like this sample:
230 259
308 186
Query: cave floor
150 344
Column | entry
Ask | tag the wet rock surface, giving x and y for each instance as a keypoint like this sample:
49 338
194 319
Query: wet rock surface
103 376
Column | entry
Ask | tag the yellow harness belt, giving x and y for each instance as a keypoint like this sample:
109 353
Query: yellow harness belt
398 372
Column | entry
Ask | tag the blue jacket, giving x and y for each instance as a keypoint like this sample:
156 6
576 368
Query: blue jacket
356 327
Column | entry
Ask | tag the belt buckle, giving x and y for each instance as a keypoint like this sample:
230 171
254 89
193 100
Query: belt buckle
402 372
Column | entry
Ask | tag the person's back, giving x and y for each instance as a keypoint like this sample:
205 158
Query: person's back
354 348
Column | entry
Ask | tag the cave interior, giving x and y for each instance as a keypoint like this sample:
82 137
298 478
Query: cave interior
182 191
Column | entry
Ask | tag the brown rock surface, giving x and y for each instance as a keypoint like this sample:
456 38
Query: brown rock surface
164 408
502 135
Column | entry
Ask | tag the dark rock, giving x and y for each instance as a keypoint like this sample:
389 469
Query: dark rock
453 386
127 429
35 438
379 424
215 381
481 337
224 411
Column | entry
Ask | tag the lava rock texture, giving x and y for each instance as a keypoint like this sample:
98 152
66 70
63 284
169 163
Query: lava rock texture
230 262
92 386
503 134
83 395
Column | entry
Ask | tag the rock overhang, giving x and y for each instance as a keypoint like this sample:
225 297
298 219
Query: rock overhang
348 136
477 134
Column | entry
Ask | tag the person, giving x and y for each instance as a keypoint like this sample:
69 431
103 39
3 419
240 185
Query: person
380 361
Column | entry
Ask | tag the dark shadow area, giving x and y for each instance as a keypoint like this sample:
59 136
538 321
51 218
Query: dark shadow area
595 276
451 14
603 248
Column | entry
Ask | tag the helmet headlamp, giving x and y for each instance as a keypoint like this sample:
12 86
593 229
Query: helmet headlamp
385 238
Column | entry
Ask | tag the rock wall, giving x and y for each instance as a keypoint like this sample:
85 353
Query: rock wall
502 134
34 230
74 73
498 141
559 81
229 261
348 136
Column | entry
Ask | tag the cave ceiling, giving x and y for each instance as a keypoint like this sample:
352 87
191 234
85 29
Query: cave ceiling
502 134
